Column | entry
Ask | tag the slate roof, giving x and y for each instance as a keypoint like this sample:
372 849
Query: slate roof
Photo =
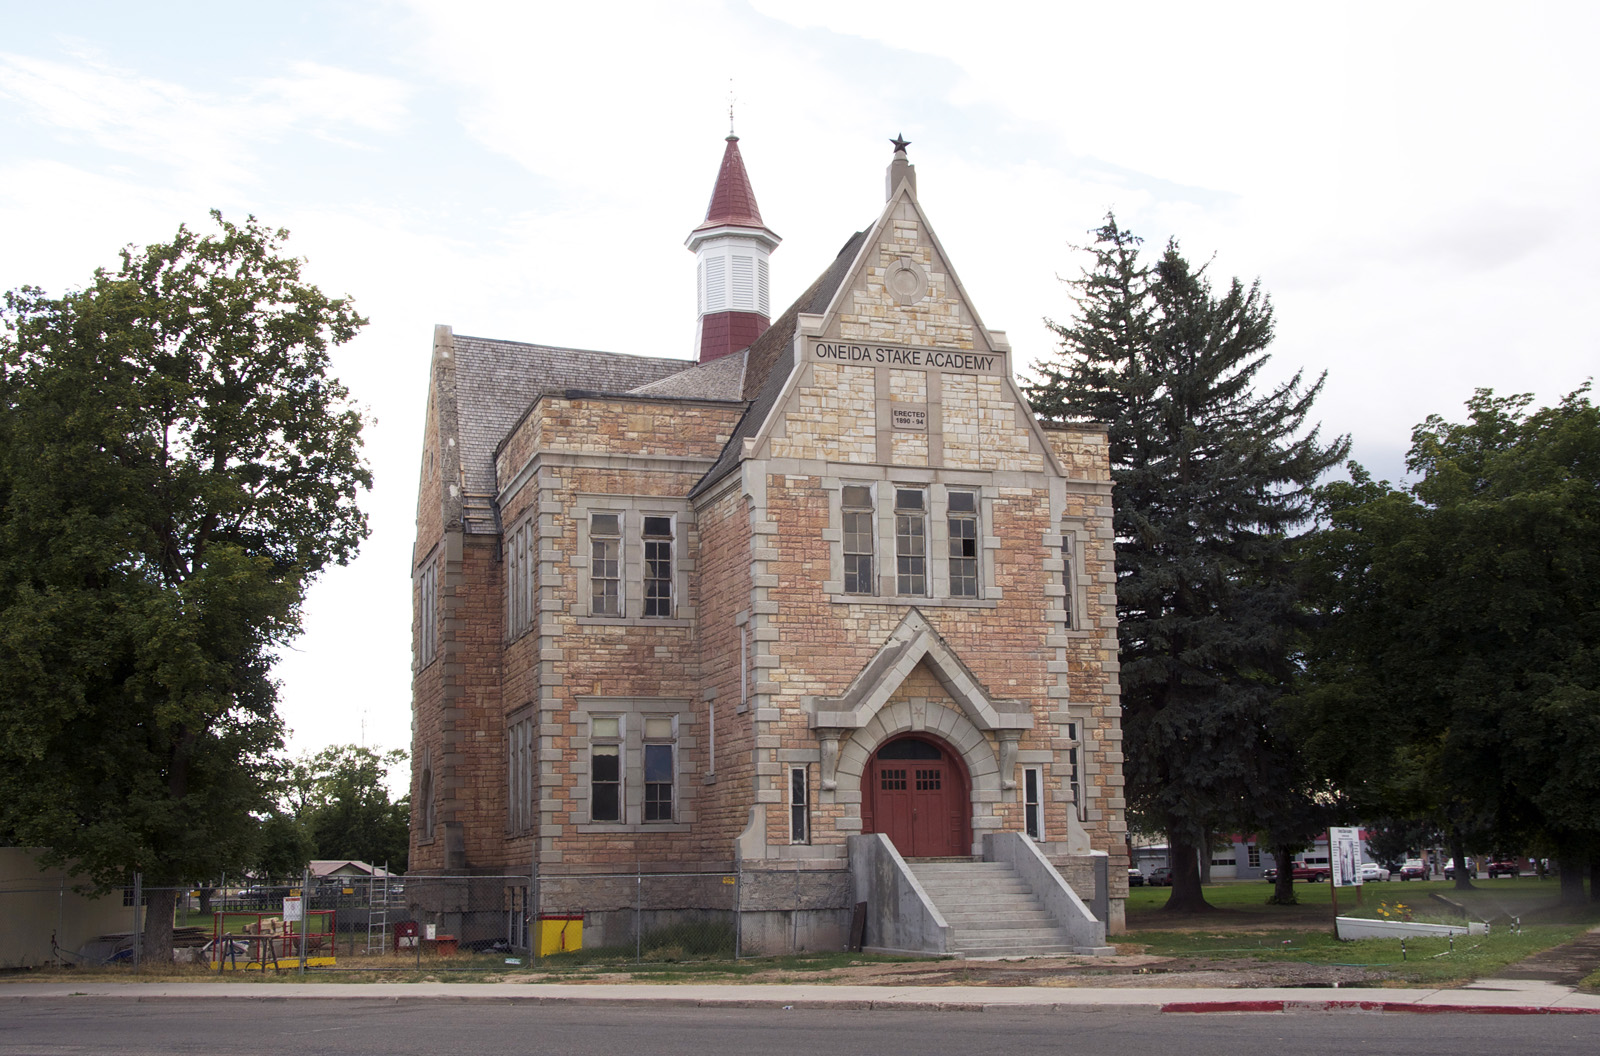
721 379
769 361
733 202
497 381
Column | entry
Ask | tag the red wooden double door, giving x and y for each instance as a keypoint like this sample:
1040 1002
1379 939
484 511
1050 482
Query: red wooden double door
916 794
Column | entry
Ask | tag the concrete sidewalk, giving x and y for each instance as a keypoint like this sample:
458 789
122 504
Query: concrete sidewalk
1487 996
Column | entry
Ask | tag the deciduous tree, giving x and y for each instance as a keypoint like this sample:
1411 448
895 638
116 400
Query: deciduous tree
176 465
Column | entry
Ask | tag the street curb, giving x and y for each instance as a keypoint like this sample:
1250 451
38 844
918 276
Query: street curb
1374 1006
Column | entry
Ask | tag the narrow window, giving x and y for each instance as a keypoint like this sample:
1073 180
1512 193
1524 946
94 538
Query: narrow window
910 541
519 580
1253 855
963 518
605 564
605 769
428 614
1068 586
799 804
658 769
1032 812
858 533
658 567
519 777
1072 772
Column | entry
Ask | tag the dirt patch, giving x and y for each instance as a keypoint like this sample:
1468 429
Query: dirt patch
1568 964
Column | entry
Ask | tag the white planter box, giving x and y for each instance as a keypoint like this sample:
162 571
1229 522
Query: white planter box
1362 928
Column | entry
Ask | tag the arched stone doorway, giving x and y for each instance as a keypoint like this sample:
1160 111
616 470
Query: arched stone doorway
917 794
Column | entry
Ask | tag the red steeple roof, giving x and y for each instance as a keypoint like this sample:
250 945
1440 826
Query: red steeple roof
733 203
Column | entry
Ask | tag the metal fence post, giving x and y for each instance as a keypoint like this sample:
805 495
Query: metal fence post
138 924
738 911
638 914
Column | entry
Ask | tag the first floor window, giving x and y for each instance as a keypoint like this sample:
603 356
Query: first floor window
519 774
659 749
1072 772
799 805
910 541
1032 799
605 769
605 564
658 567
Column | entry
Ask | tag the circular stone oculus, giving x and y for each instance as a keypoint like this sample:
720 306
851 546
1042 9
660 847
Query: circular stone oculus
906 282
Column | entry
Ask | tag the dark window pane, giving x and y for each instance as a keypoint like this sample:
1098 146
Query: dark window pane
658 762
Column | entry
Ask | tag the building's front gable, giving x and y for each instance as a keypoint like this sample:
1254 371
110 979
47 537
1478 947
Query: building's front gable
899 368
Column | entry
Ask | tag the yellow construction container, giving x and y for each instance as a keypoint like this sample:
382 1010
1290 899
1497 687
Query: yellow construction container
559 933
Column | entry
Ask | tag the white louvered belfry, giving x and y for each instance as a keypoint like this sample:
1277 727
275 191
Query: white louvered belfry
732 277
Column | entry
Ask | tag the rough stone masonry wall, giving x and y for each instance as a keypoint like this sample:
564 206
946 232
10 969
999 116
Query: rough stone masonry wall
723 601
870 313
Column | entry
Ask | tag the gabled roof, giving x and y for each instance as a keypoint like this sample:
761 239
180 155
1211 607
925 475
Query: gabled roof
497 381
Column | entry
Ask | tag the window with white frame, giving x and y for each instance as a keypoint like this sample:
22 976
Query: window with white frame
428 613
605 767
1073 780
799 804
1033 801
658 567
911 541
519 555
1252 855
520 756
605 564
859 528
660 766
962 521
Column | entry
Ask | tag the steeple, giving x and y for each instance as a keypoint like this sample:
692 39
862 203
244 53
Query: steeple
732 248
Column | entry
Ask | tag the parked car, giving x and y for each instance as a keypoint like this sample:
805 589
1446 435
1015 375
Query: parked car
1311 874
1413 869
1373 871
1135 878
1161 876
1450 870
1505 867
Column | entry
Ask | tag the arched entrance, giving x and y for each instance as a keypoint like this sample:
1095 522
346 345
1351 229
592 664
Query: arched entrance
917 795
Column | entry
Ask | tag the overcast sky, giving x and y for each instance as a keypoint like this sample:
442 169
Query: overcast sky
1415 185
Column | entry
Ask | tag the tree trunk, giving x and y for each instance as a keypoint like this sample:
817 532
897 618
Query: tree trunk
1186 896
1570 871
1283 886
1594 879
1205 862
1458 851
205 900
161 905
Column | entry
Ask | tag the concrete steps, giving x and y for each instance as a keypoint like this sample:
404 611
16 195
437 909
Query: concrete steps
990 909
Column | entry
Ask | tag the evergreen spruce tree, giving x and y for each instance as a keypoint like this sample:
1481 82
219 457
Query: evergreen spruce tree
1209 480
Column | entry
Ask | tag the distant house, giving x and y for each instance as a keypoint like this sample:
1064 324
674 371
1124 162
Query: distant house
333 868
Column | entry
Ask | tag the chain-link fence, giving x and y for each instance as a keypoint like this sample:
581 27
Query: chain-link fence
363 923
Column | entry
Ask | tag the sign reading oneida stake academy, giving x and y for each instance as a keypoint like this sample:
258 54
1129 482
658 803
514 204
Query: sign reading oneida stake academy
908 358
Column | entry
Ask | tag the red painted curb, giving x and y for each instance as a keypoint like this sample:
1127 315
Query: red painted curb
1374 1006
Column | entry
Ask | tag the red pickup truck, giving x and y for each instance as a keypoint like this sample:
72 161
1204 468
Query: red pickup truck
1314 874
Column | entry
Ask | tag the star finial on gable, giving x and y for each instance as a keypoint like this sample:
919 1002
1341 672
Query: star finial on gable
900 143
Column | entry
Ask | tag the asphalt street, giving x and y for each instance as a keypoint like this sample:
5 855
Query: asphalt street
430 1026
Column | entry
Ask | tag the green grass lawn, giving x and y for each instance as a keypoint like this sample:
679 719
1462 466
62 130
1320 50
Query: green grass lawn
1523 914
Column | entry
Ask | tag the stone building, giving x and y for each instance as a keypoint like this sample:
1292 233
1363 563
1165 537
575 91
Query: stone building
823 600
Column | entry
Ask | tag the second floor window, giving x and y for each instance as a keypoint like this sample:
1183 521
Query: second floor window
963 524
658 567
605 564
910 541
858 531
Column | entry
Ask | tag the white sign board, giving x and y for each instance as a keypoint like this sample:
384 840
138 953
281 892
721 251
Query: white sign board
1344 855
291 909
